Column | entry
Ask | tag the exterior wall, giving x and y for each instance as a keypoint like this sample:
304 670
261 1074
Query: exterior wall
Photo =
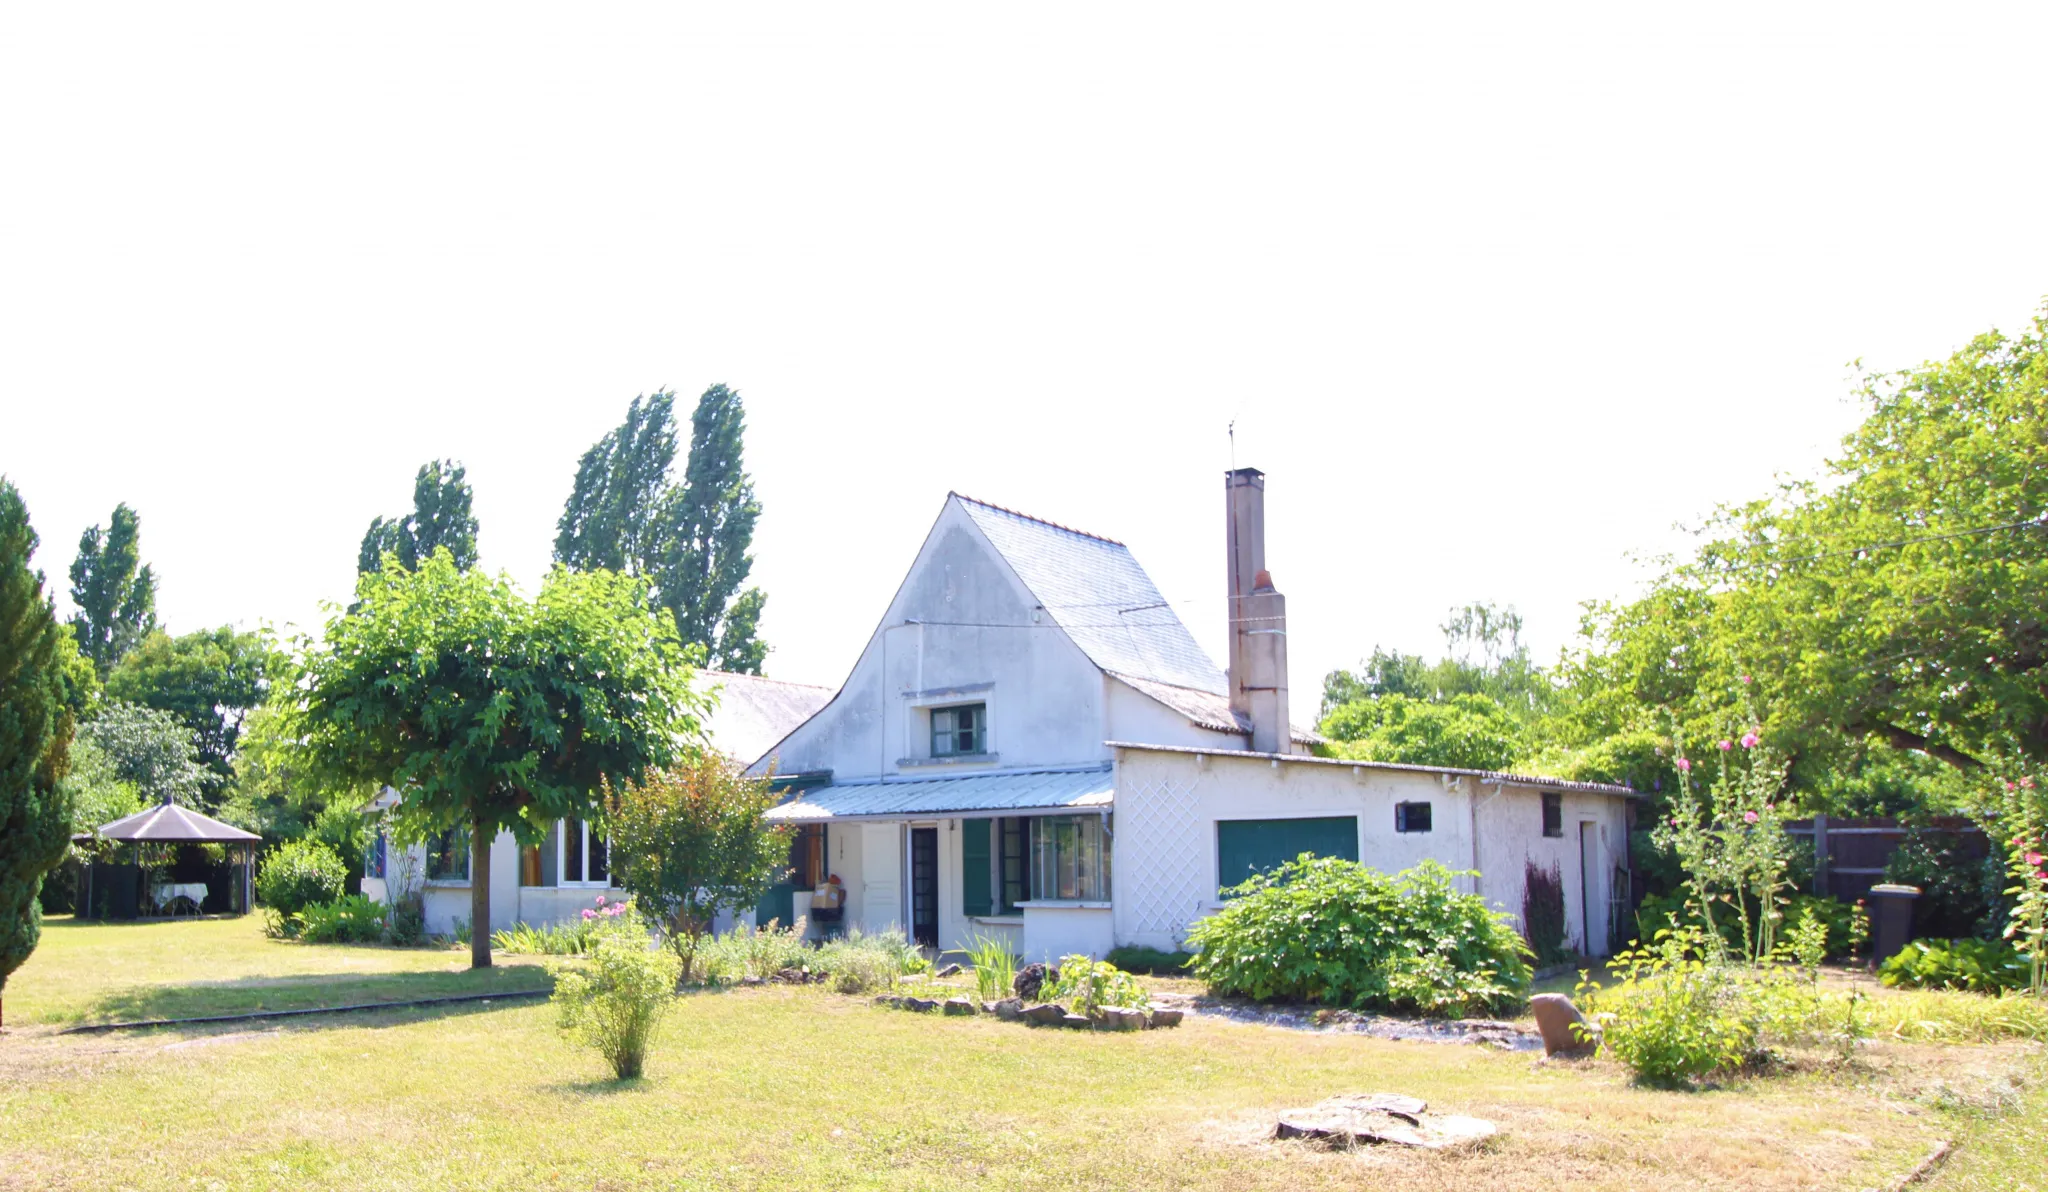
1135 716
981 638
447 902
1168 804
1055 930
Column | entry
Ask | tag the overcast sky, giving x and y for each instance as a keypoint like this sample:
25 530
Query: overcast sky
1495 296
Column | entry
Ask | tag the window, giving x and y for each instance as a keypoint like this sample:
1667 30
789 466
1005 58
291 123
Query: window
807 857
1553 814
585 860
1246 847
1069 859
961 730
374 856
1411 817
993 874
448 856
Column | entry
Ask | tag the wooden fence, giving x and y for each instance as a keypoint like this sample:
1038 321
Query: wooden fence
1849 855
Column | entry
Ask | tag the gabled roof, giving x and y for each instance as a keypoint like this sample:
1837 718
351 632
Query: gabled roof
168 822
1093 588
753 714
1090 790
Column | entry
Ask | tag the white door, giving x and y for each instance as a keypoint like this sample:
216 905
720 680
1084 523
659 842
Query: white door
881 872
1592 889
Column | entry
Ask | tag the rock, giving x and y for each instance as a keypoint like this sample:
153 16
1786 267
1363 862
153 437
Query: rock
1555 1017
797 976
1163 1018
920 1004
959 1005
1382 1118
893 1003
1123 1020
1046 1014
1031 979
1010 1009
1078 1022
752 980
951 970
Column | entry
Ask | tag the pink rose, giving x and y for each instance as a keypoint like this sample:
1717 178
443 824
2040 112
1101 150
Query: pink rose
1684 766
1749 817
1750 740
1725 745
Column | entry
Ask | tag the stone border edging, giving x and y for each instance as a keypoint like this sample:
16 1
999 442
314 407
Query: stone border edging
259 1015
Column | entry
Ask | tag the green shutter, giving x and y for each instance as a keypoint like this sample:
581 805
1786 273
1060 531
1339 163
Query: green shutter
974 874
1245 847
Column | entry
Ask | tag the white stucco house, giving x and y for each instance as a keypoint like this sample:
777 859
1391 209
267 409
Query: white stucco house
1032 747
555 880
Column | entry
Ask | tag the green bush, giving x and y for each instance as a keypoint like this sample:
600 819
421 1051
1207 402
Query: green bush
406 923
1978 966
864 972
1089 985
1321 929
861 961
614 1001
1151 961
299 873
760 953
350 919
1675 1016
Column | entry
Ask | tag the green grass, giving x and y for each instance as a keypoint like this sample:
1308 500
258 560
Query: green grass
784 1088
109 972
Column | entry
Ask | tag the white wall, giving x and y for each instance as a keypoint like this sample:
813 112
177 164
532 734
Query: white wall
1135 716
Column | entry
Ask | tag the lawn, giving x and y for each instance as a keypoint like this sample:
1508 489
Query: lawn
787 1088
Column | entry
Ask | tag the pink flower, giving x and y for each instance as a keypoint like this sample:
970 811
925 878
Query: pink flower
588 913
1674 821
1725 745
1750 740
2033 858
600 900
1770 807
1749 817
2027 783
1684 766
1745 680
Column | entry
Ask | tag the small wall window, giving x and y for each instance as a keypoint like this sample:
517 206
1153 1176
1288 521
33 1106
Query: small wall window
959 730
375 855
1069 859
585 859
448 856
1553 814
1411 817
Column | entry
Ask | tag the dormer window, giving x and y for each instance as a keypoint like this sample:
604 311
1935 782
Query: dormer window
960 730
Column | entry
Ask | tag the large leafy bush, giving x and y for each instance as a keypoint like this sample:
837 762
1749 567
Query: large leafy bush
1677 1013
1979 966
299 873
350 919
614 1001
1321 929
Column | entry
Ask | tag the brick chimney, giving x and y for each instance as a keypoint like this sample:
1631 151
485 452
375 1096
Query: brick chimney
1258 617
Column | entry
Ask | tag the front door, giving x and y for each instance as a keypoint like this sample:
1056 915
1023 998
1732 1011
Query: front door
1592 899
924 886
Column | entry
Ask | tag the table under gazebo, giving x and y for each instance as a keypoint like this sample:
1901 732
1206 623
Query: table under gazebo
122 889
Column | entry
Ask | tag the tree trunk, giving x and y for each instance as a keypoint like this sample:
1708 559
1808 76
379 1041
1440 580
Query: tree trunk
480 895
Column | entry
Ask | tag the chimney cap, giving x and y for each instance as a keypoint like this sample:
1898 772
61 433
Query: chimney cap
1244 476
1263 581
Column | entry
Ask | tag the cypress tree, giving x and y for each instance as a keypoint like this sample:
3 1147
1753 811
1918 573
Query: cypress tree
714 536
35 738
617 517
440 517
116 599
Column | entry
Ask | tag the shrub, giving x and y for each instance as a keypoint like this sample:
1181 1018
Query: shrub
1089 985
1543 919
1675 1016
405 925
574 937
1978 966
614 1001
760 953
299 873
350 919
1151 961
862 972
994 967
1320 929
859 961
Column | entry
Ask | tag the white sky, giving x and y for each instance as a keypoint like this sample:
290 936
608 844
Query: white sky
1495 296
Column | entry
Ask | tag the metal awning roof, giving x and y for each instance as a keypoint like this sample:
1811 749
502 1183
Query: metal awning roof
168 822
1021 793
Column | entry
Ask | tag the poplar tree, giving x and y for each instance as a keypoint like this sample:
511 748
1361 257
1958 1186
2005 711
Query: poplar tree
440 518
115 595
35 738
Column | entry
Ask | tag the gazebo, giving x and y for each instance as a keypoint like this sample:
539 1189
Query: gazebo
119 893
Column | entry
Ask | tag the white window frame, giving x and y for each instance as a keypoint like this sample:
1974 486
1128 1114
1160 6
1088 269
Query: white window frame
562 858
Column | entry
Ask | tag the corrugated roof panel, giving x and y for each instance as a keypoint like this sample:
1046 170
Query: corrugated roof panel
1095 590
1035 790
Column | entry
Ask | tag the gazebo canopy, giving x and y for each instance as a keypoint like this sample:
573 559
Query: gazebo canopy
168 823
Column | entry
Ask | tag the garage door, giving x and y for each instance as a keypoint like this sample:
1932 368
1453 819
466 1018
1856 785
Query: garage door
1245 847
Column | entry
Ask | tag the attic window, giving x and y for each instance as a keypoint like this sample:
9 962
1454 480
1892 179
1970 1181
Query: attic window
959 730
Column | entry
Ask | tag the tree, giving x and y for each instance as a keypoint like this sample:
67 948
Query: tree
491 712
690 540
115 596
1469 732
150 750
35 738
691 840
209 680
440 520
279 790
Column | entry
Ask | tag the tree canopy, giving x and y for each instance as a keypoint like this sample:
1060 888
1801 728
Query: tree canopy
210 680
115 595
35 737
690 540
492 712
440 520
152 751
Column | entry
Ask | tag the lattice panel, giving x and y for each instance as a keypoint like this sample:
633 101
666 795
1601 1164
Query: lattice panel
1161 861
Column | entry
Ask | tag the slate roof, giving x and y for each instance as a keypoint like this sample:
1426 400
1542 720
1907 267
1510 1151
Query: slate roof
966 794
1094 589
754 714
1206 709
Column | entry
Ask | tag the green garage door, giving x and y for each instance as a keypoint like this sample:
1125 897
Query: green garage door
1245 847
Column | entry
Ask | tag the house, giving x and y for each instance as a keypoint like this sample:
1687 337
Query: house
1032 747
554 881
